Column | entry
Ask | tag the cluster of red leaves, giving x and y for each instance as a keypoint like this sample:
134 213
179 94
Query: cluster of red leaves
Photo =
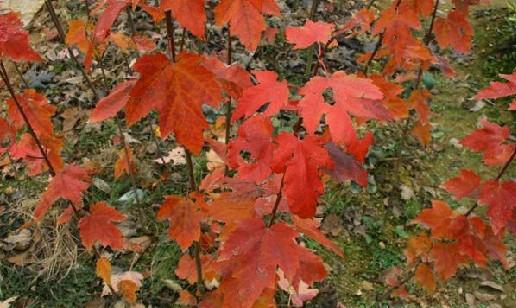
458 238
245 230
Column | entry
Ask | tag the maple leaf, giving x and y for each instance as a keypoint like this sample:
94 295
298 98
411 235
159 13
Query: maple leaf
442 220
234 78
113 8
351 95
425 277
37 110
99 227
77 35
310 33
231 208
39 114
27 150
345 166
490 141
300 162
255 138
185 217
499 89
268 91
70 184
422 132
249 258
418 246
418 101
110 105
125 163
447 259
103 270
177 91
500 196
14 40
454 31
186 268
245 18
397 23
189 13
361 19
391 91
310 228
465 185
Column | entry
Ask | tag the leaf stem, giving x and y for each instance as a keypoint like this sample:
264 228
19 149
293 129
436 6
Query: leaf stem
21 75
5 78
277 202
229 110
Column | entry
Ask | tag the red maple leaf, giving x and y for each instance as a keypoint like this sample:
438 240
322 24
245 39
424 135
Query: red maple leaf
465 185
300 161
500 196
454 31
70 184
184 216
245 18
310 33
14 40
345 166
443 221
268 91
490 140
425 277
234 78
392 100
189 13
110 105
249 258
310 228
178 91
113 8
78 35
98 227
350 95
396 23
255 138
447 259
500 89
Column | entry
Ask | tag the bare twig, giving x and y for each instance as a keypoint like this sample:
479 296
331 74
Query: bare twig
62 38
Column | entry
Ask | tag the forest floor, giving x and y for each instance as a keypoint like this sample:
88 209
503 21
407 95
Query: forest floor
45 267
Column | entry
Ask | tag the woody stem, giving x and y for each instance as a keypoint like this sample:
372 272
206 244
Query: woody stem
506 166
5 78
189 160
277 203
229 110
62 38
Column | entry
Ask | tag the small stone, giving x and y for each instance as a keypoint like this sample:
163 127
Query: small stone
470 299
491 285
485 297
460 290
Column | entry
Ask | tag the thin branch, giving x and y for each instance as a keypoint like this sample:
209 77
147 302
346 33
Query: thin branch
130 20
198 266
373 54
170 36
277 202
190 169
506 166
62 38
229 110
5 78
21 75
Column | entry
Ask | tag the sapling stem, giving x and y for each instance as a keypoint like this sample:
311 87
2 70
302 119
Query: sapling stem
7 82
